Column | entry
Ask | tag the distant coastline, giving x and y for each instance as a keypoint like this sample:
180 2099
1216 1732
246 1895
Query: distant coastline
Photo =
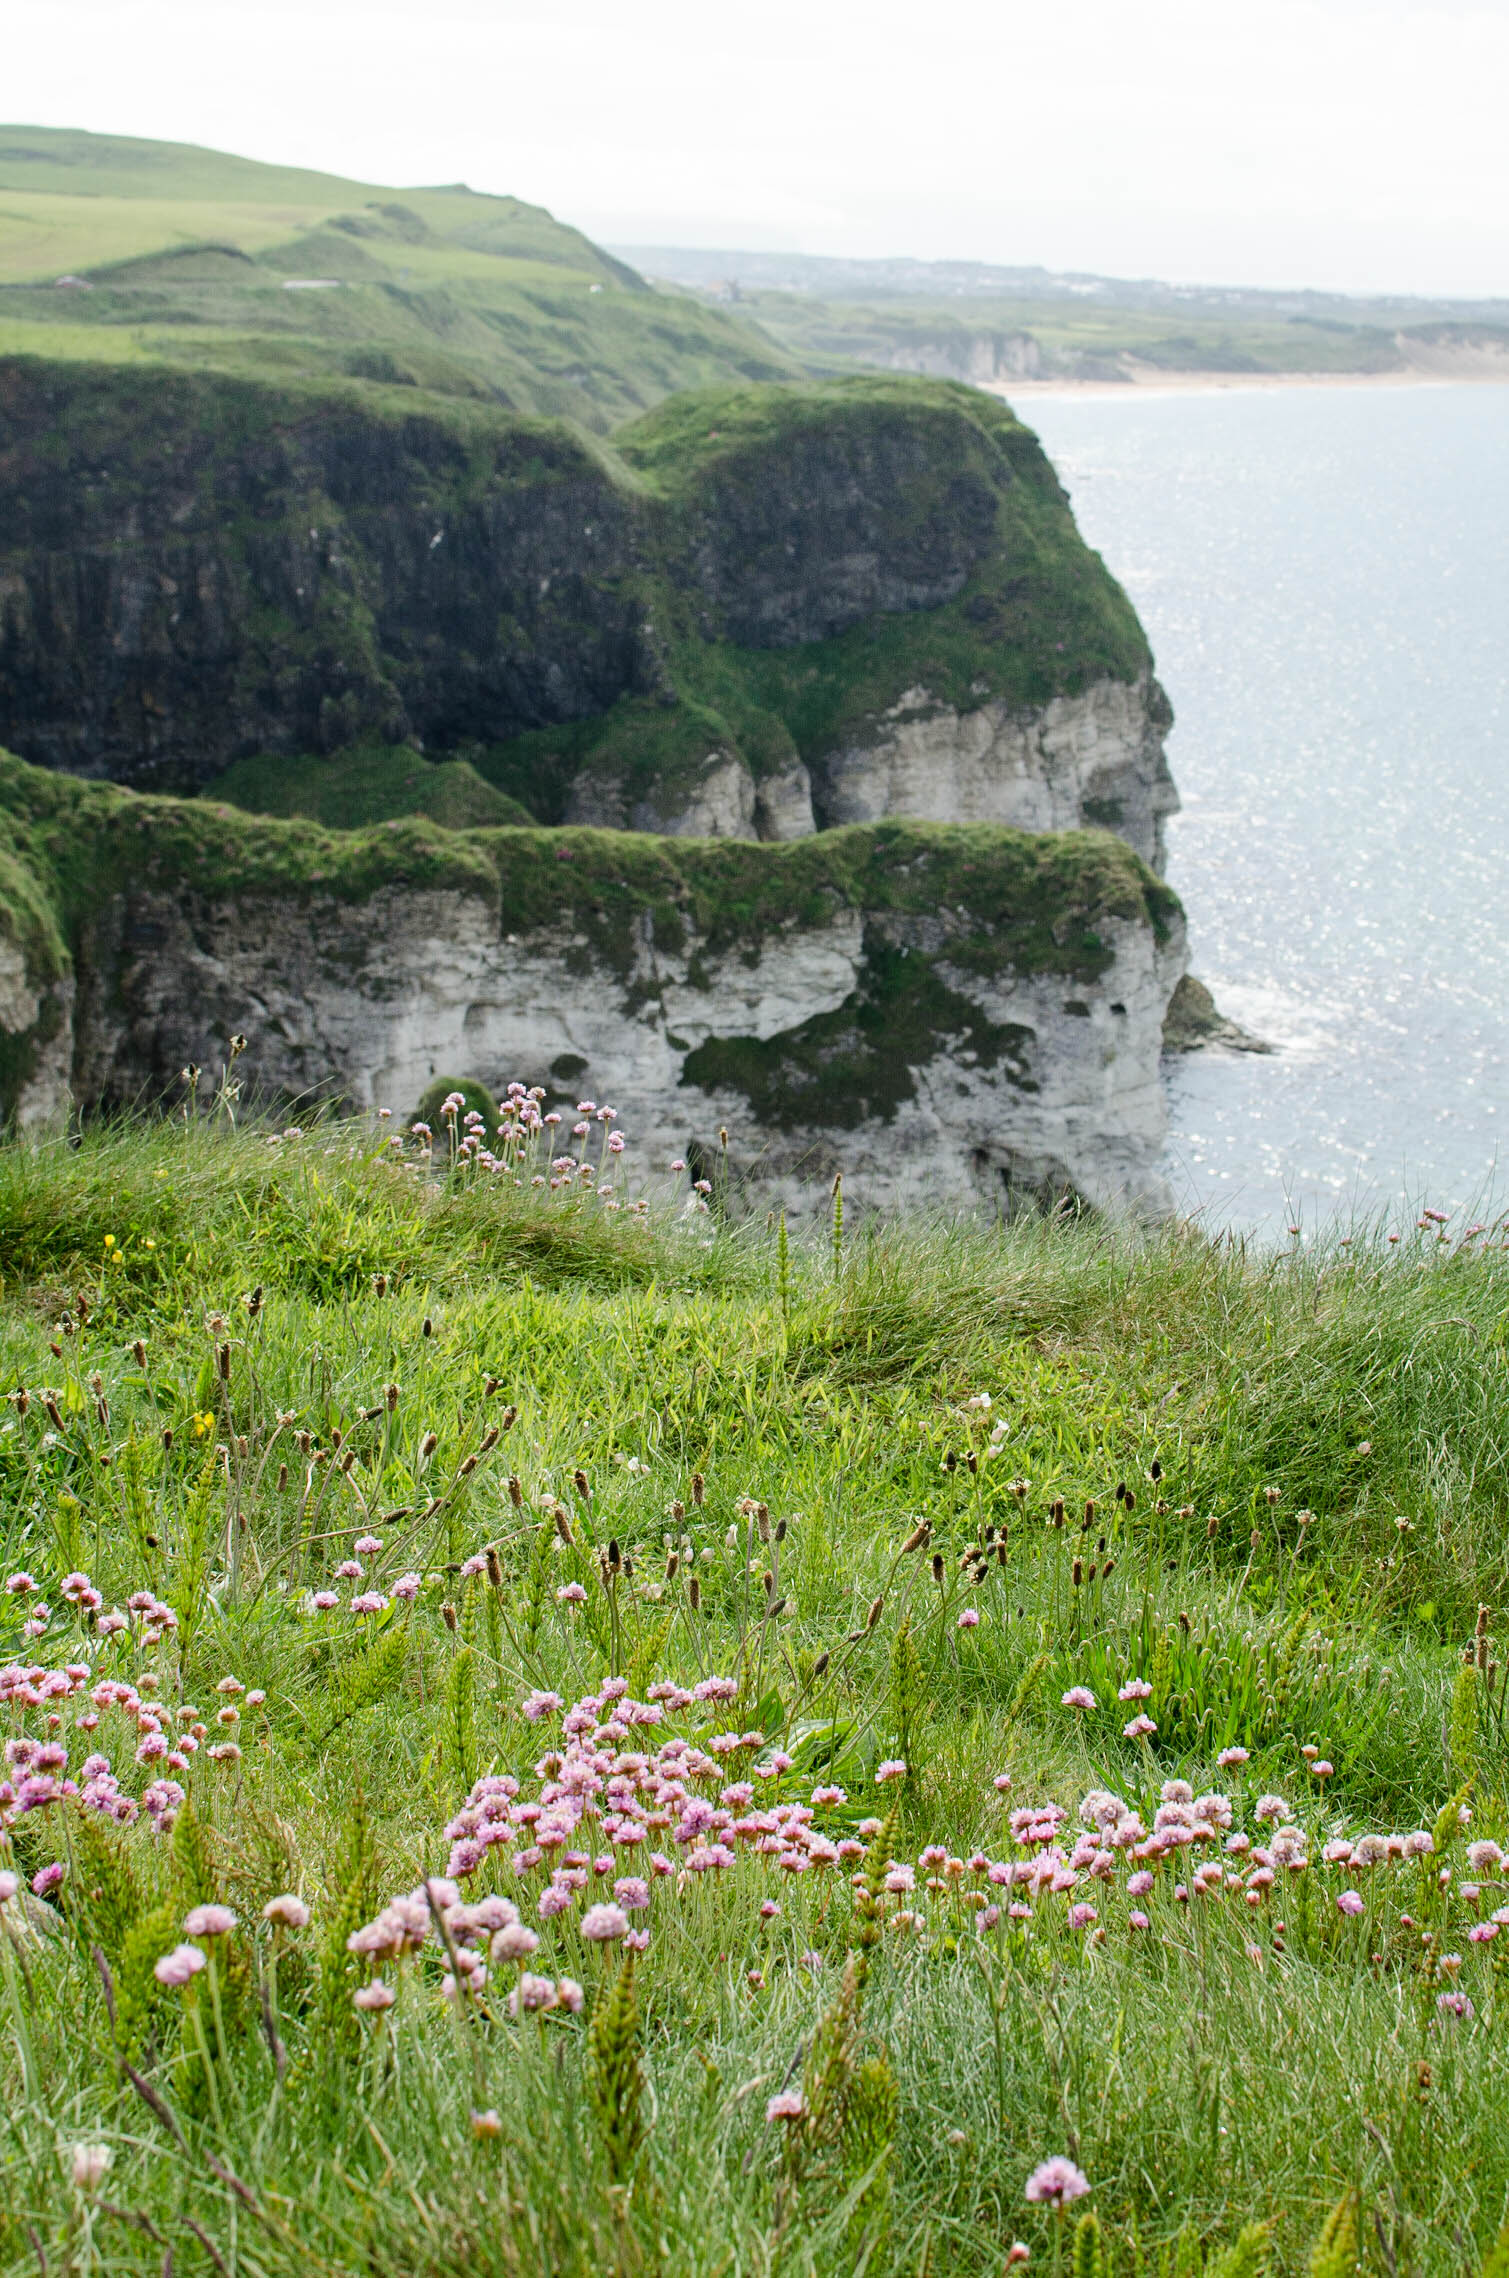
1445 368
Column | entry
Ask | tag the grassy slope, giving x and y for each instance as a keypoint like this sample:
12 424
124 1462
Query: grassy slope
357 787
1213 2071
440 289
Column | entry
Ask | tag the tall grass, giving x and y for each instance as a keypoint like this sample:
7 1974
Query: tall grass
1270 1488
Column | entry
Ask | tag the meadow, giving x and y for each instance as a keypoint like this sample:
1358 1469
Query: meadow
555 1726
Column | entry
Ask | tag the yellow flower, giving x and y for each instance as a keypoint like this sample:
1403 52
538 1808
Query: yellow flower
148 1243
202 1422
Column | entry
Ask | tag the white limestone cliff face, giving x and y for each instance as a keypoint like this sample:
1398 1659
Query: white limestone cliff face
1095 760
370 1001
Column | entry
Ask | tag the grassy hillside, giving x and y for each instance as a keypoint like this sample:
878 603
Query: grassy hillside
188 257
331 1475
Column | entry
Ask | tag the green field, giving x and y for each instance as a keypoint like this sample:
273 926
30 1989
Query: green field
191 257
354 1468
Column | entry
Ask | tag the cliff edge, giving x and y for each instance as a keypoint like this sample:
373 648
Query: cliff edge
958 1014
756 612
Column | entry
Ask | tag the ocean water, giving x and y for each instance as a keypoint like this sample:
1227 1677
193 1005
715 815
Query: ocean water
1324 575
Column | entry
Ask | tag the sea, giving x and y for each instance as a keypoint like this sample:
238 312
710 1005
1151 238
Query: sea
1324 575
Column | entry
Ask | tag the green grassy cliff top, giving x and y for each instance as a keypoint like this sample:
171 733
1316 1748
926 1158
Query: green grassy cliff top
1025 901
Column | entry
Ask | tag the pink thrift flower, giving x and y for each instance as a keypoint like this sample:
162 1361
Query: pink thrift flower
209 1921
1077 1697
791 2104
1135 1689
1136 1920
289 1911
604 1924
407 1588
1056 2183
178 1967
1349 1902
894 1768
374 1996
969 1619
1139 1728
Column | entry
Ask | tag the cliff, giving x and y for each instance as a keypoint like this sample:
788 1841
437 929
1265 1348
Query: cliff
758 612
963 1015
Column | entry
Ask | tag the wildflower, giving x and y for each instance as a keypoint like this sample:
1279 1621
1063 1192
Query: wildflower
791 2104
1055 2183
1270 1807
1139 1728
407 1588
1135 1689
324 1601
1079 1697
288 1911
1231 1759
604 1924
1081 1917
1136 1920
569 1994
1454 2004
1140 1884
47 1880
90 2163
1016 2254
969 1619
369 1602
178 1967
894 1768
1484 1858
537 1706
209 1921
374 1996
1482 1933
515 1942
1349 1902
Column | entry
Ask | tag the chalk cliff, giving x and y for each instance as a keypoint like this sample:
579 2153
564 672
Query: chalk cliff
960 1014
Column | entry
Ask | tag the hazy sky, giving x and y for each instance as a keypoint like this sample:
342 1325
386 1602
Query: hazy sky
1350 143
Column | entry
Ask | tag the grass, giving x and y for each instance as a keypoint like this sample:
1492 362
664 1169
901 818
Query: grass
620 1403
354 788
443 291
